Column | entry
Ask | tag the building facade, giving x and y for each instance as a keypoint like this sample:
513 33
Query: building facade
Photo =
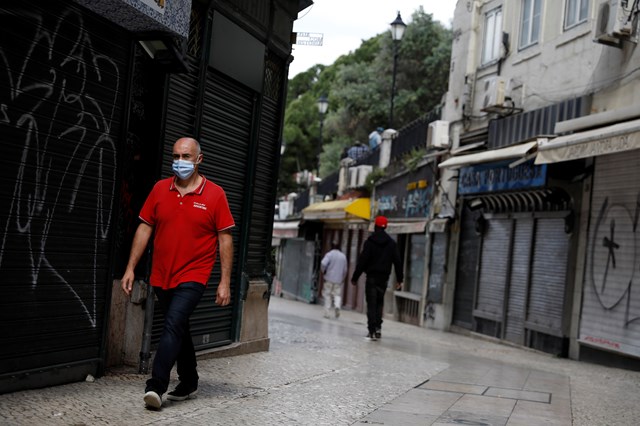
95 93
542 108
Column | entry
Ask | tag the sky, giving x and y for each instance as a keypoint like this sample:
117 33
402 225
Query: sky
345 23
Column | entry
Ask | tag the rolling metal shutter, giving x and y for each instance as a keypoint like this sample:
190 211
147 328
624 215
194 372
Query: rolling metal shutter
610 317
496 245
62 85
263 192
548 277
225 134
466 270
297 268
517 298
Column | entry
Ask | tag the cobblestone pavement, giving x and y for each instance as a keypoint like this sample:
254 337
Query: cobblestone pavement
322 372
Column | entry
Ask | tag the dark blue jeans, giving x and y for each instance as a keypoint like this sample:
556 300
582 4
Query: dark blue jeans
175 345
374 293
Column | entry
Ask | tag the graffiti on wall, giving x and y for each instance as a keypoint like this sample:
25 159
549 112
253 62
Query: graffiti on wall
612 244
612 276
413 200
60 154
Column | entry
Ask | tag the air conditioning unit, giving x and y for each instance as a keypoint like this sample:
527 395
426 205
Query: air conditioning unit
493 91
616 21
438 134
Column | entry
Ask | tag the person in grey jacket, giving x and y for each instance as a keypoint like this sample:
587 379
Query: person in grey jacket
334 267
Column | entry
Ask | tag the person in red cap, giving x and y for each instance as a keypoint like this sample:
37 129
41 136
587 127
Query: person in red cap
379 253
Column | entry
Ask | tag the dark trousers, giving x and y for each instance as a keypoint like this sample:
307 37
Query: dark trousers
374 294
176 345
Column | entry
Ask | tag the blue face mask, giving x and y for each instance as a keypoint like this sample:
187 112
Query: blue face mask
183 169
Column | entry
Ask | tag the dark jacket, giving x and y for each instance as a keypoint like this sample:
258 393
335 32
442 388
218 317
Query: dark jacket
379 253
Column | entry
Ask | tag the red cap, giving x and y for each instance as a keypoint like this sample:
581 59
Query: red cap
381 221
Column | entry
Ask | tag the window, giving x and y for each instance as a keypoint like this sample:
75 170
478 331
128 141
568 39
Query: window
576 13
492 36
530 24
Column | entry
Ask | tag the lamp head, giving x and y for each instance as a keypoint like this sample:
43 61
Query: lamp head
397 28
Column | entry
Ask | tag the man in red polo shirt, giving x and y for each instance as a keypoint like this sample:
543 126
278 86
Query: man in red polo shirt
190 217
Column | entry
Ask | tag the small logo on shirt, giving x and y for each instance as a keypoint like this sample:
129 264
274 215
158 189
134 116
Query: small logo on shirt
199 205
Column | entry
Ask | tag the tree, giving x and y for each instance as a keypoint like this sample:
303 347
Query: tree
358 86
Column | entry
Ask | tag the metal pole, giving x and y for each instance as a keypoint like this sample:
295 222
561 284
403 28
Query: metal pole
319 145
393 81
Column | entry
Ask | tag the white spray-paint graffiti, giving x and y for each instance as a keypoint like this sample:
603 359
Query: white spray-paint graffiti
414 204
49 108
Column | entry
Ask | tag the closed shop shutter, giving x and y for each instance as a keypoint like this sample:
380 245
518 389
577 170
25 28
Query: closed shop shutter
264 191
259 262
610 317
517 299
466 269
493 270
181 107
297 269
548 277
224 137
63 80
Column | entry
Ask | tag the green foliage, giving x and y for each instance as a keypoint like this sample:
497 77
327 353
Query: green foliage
376 175
412 159
358 86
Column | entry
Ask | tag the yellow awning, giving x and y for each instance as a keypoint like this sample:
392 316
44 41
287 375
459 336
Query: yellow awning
360 207
338 210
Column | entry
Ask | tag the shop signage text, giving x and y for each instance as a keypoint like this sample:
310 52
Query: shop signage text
495 177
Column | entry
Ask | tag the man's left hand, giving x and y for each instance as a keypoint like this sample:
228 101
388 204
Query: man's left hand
223 295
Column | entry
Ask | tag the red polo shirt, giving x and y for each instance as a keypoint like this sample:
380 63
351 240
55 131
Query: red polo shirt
186 231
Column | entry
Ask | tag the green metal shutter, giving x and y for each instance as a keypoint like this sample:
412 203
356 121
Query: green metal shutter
62 92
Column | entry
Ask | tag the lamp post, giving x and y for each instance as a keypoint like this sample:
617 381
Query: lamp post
323 105
397 31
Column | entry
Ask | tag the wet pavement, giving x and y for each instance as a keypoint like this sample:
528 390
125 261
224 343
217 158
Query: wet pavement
323 372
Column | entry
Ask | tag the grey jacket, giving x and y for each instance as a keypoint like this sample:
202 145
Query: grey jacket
334 266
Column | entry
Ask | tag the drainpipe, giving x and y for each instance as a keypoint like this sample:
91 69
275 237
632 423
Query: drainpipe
145 350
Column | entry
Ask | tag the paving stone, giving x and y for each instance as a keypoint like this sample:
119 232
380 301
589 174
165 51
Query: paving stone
454 387
543 397
322 372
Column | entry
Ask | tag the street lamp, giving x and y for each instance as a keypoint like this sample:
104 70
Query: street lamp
323 105
397 31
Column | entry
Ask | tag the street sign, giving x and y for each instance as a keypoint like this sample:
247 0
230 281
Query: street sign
309 39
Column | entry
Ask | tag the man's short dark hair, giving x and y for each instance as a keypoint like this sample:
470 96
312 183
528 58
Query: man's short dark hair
335 245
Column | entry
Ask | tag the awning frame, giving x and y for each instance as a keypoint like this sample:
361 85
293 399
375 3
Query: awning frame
494 155
619 137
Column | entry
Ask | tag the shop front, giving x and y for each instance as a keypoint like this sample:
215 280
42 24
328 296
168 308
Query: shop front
345 222
609 327
514 250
